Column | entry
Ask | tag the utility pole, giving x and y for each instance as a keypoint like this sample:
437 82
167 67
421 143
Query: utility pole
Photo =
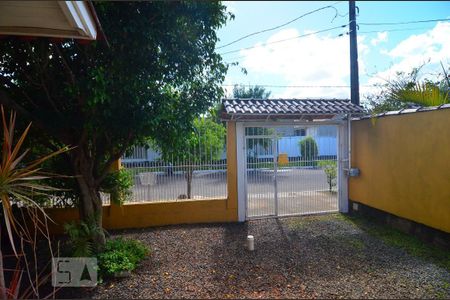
354 76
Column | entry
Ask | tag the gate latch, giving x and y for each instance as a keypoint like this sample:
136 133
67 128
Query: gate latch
353 172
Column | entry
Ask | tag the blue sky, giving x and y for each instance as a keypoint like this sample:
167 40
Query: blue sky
323 59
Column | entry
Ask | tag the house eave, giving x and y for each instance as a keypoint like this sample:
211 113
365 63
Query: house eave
294 116
59 19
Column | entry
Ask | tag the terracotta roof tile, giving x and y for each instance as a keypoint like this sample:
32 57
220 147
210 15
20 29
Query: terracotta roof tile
404 111
289 106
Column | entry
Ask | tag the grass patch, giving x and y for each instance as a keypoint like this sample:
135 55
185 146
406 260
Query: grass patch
301 222
297 224
356 244
390 236
393 237
442 291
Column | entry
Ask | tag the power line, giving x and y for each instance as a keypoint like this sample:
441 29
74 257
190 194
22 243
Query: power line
284 24
401 23
342 34
284 40
394 30
292 86
243 56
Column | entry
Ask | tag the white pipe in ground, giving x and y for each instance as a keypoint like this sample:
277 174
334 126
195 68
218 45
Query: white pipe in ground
250 242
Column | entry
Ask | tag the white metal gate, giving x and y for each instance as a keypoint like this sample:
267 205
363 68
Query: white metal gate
282 178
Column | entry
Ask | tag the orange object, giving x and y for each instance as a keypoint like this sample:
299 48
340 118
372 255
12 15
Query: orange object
283 159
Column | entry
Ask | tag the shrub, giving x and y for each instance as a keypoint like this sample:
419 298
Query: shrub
80 237
330 169
121 255
118 184
308 148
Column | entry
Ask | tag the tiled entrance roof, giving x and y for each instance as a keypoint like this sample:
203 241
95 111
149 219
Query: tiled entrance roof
405 111
289 107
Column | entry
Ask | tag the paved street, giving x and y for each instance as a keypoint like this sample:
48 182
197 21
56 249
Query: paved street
299 190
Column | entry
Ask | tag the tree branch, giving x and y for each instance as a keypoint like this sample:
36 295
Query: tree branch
47 93
6 100
66 65
113 157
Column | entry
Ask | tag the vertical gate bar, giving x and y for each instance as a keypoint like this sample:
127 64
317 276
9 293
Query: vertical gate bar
242 182
247 142
275 170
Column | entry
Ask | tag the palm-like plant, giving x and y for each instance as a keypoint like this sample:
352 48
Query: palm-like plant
424 94
19 183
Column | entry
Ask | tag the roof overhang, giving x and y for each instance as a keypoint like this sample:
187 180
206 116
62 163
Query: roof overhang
308 110
59 19
255 117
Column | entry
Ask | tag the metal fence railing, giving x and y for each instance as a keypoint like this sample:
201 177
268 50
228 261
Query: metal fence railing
283 179
166 181
197 172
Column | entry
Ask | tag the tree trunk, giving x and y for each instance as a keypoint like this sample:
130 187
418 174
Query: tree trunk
189 175
90 206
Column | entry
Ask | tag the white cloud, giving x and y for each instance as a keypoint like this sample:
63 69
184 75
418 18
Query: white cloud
432 46
384 51
381 37
312 61
324 60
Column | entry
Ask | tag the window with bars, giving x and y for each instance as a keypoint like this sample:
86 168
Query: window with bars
250 131
300 132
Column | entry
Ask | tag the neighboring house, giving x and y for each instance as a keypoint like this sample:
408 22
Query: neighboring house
141 154
325 137
146 155
290 137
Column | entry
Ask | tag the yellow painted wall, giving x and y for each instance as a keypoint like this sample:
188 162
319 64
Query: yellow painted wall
147 214
405 166
232 166
142 214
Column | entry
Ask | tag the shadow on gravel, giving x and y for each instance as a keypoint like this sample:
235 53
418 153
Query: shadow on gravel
267 272
297 257
324 256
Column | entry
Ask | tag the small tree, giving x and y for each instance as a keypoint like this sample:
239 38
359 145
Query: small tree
330 169
257 92
157 72
308 148
205 143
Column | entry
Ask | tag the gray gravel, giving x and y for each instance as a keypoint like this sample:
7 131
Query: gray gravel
301 257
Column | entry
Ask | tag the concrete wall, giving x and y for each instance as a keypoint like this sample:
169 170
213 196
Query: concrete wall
405 166
147 214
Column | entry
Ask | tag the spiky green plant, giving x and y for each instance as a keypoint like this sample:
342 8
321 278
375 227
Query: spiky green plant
423 94
20 181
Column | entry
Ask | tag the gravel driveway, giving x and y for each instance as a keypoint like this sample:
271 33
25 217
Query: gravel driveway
302 257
